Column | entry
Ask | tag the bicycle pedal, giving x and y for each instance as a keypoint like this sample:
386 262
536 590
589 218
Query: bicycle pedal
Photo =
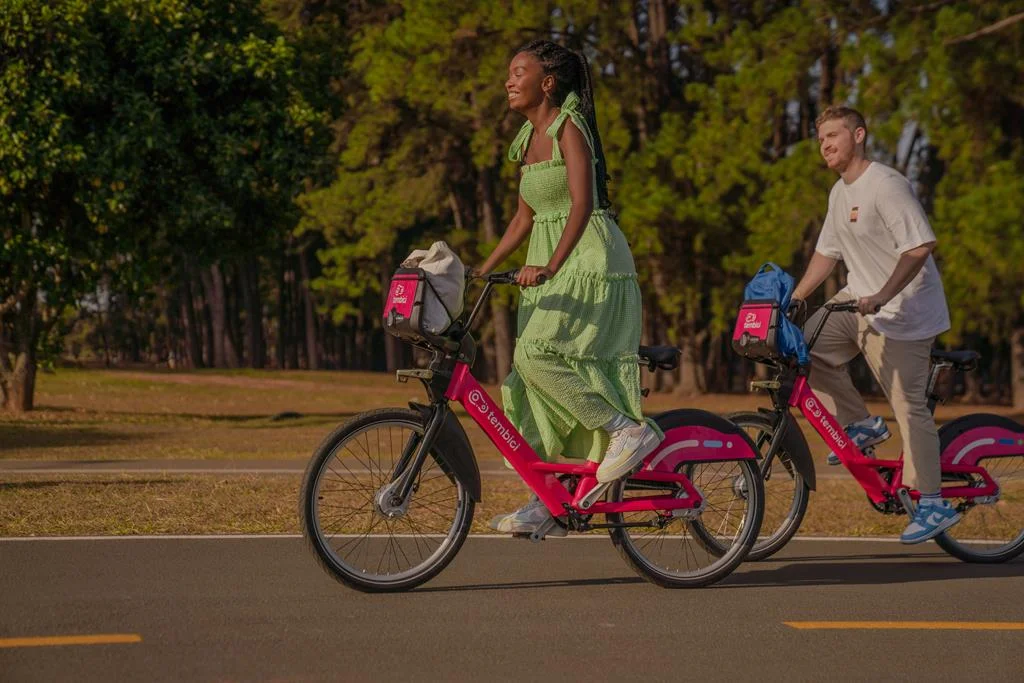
543 530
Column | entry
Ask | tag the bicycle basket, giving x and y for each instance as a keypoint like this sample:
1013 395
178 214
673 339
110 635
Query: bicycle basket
406 308
757 328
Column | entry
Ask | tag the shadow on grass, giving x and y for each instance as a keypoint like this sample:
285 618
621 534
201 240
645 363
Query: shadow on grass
254 421
32 485
38 436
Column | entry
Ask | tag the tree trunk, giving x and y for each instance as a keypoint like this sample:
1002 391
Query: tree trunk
18 382
22 386
233 348
213 286
500 315
827 84
1017 367
307 300
972 388
249 276
363 355
296 343
194 345
282 316
689 367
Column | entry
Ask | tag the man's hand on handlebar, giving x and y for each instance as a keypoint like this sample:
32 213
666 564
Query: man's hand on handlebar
531 276
797 312
868 305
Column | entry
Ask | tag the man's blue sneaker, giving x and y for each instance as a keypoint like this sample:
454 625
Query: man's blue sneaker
867 432
930 520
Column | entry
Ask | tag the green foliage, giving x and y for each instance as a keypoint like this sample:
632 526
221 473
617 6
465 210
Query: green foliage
136 133
425 115
133 132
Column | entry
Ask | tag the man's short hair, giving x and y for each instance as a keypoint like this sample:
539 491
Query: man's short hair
850 117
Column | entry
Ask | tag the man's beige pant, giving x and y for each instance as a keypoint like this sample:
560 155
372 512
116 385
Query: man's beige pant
901 367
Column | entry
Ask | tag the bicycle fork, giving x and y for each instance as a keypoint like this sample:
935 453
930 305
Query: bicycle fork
392 499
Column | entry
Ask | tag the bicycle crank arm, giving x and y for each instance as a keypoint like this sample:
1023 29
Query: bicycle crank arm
593 495
908 503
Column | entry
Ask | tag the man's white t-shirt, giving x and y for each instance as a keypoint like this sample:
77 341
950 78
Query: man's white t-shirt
870 223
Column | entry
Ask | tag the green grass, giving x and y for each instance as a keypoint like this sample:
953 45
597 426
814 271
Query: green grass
124 415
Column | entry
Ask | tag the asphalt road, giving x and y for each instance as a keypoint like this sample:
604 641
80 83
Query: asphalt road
224 609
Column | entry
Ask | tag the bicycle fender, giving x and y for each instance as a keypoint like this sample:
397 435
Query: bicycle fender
970 438
693 435
795 444
454 451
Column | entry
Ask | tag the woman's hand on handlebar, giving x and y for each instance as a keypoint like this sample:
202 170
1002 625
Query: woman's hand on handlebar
531 276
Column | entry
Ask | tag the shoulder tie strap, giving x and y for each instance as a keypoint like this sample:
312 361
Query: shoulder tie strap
522 139
570 109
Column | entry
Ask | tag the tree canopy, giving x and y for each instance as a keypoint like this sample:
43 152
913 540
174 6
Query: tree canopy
221 183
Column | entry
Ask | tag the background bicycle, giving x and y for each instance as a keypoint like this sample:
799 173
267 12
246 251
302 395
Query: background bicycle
982 458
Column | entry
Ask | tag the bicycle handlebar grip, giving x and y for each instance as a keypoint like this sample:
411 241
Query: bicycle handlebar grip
506 278
850 307
510 277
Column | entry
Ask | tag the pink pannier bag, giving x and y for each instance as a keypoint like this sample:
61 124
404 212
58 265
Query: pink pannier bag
403 307
756 331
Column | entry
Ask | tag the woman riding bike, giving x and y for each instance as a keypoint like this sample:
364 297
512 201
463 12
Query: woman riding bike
574 389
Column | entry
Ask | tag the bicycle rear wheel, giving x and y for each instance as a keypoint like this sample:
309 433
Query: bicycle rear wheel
990 532
678 554
351 537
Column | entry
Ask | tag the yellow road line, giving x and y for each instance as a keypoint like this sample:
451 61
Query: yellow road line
97 639
911 625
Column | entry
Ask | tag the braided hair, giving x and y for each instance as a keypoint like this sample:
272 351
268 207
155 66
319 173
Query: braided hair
572 72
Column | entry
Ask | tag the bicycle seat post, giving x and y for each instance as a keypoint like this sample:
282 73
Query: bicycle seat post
933 379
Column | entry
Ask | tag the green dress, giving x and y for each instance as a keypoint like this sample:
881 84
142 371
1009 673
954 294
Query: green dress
575 363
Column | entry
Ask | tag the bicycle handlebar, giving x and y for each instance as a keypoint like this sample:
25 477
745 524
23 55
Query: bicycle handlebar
848 307
840 306
509 277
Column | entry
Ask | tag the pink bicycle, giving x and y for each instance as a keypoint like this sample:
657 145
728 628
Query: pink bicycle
982 455
387 499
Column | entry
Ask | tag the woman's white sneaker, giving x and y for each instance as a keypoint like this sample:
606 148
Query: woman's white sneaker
526 520
627 449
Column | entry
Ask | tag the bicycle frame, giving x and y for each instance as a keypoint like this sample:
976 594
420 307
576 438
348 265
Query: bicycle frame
867 471
449 379
681 445
797 393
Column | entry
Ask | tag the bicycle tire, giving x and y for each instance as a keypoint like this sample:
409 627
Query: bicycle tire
780 522
313 528
743 540
946 540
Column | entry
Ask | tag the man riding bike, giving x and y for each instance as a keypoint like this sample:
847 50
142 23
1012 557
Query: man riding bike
878 227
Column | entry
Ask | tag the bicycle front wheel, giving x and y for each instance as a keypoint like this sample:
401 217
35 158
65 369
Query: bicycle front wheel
351 536
786 492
